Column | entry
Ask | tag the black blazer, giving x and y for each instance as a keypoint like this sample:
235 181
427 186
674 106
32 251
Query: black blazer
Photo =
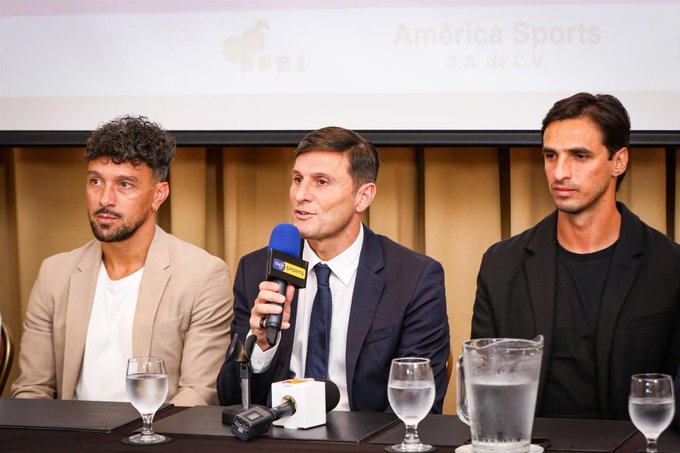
676 385
637 328
398 310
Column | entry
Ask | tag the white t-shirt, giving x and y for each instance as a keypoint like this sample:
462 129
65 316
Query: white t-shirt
109 338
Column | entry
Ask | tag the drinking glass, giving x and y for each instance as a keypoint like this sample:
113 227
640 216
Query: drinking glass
651 405
410 391
146 383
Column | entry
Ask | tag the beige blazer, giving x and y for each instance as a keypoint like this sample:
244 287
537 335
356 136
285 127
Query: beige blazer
183 315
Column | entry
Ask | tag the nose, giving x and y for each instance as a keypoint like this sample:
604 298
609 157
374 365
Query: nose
562 169
108 196
300 191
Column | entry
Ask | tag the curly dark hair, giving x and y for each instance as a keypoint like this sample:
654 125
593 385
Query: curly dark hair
133 139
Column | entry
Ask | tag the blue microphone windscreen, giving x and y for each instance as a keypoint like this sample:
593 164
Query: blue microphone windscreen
285 238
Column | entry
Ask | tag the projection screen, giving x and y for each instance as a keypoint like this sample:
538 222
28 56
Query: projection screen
297 65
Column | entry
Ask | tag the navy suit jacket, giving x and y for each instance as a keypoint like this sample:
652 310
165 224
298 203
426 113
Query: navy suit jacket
638 327
398 310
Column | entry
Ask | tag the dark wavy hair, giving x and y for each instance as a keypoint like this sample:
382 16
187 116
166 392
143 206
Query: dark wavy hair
133 139
363 157
605 111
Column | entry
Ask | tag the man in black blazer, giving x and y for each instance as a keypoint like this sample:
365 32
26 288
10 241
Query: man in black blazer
387 301
600 285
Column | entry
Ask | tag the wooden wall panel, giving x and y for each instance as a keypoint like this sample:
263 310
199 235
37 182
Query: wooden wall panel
256 187
49 191
462 218
395 210
51 211
10 300
644 188
214 201
530 198
188 202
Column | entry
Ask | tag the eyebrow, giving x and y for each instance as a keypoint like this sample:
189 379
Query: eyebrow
313 175
122 177
578 149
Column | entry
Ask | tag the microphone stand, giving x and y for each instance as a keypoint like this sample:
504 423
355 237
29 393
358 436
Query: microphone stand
240 353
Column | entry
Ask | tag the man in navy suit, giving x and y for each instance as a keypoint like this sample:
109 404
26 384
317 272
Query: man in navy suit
386 301
600 285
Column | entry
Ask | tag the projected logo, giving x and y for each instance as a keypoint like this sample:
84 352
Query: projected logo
248 51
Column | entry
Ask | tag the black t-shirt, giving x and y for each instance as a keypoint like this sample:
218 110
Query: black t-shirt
571 385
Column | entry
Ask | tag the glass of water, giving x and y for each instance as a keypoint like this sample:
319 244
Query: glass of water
651 405
411 393
147 387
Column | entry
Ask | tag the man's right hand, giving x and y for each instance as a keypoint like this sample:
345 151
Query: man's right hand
264 306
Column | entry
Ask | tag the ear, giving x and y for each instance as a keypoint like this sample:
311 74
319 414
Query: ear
620 160
364 197
160 195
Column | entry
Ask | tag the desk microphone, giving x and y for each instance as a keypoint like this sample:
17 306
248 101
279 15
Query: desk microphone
284 266
240 352
257 420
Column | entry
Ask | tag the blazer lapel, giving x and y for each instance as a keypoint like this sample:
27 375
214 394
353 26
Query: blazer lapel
622 272
152 287
540 270
82 287
368 288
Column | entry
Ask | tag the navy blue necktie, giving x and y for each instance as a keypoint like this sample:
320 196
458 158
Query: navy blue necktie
319 338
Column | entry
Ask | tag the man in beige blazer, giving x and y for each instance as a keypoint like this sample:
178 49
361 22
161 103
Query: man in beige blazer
180 309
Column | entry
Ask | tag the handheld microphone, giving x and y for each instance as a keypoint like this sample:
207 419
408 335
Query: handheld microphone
257 420
284 266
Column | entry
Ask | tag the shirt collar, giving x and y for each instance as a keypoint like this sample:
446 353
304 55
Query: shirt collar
344 265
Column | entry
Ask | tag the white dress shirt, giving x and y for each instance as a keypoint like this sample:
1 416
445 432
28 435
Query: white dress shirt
342 279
